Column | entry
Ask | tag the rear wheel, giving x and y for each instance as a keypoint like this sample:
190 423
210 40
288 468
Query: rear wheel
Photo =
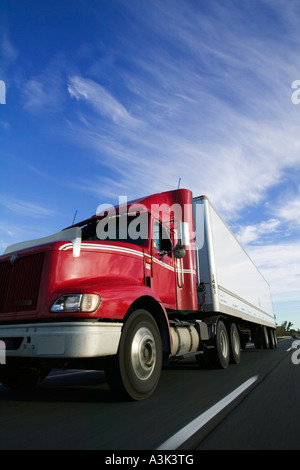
219 356
135 371
265 337
235 344
260 337
272 338
222 346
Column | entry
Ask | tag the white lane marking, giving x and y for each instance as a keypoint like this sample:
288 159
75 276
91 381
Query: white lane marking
185 433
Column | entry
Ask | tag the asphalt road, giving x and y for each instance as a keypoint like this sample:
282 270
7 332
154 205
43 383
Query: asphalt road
253 405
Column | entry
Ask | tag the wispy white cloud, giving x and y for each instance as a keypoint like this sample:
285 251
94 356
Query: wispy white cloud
289 211
8 51
224 124
25 208
35 94
215 149
280 265
103 102
252 233
44 91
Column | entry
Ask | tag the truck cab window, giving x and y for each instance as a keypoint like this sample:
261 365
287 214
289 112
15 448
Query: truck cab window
88 232
161 238
127 228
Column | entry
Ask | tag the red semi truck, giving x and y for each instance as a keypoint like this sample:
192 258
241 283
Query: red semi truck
127 291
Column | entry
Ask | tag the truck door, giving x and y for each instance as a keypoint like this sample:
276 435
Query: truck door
163 269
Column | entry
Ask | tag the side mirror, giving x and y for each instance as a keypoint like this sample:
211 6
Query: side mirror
179 252
183 240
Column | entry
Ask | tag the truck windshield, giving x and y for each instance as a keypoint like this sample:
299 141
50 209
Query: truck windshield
125 228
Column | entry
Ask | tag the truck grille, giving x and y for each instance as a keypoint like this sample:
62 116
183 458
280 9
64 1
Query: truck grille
19 283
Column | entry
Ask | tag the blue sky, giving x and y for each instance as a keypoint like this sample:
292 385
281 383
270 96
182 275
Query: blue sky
124 97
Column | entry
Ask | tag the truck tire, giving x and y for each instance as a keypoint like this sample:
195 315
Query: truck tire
272 338
275 338
22 378
218 358
265 337
222 346
256 337
235 344
135 371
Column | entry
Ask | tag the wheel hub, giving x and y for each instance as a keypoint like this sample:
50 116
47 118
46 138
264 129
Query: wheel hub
143 353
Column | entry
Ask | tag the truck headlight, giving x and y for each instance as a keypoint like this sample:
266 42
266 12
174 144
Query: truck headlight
76 303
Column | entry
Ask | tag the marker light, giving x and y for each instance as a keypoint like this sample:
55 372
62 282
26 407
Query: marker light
76 303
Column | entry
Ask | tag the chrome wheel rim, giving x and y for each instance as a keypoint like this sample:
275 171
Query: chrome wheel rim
143 353
223 344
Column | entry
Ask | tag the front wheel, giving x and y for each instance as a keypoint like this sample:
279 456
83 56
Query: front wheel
135 371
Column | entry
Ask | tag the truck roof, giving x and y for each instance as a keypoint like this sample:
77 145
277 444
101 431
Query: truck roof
158 204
